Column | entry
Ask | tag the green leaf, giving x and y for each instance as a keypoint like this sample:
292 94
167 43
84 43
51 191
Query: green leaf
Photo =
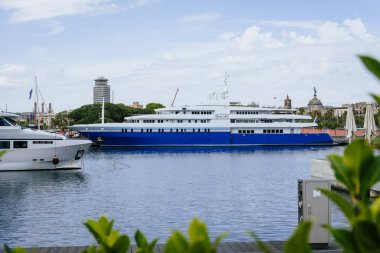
259 243
372 65
375 213
176 243
345 206
358 155
219 238
366 236
340 171
91 249
140 239
198 247
377 98
198 231
345 239
7 249
122 244
151 246
99 229
371 175
298 242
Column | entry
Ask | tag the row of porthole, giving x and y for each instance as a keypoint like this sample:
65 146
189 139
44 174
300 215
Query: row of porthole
161 130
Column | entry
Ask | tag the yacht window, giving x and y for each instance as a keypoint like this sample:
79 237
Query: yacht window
20 144
42 142
3 122
10 121
264 131
5 144
131 130
281 131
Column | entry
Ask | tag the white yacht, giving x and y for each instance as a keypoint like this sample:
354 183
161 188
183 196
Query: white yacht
27 149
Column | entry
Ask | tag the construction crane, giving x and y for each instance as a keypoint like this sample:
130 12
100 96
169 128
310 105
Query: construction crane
172 104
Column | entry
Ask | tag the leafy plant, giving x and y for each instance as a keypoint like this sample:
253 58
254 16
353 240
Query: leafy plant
7 249
358 170
297 243
198 241
109 240
142 243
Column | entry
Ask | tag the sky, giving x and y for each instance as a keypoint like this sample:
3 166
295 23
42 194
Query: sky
149 48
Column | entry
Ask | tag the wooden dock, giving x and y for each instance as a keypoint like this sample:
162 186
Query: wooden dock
226 247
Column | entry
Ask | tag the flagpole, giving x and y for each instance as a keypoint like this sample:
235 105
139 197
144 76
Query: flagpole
38 107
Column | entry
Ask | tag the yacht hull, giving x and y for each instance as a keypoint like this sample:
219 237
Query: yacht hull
68 153
104 138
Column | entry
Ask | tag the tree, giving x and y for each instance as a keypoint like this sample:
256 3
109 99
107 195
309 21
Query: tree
153 106
61 120
89 114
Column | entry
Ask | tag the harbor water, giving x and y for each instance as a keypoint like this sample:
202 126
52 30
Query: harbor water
157 190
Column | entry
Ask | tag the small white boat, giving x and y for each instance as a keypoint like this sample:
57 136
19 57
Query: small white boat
27 149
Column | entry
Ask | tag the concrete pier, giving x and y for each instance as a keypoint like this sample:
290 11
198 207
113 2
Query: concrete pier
321 169
226 247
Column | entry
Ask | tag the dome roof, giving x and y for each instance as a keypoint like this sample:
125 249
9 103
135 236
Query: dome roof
315 101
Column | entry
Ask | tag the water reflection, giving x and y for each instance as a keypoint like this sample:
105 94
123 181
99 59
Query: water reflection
157 189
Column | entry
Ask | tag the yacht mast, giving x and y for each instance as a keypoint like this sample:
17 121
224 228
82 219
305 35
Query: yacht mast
38 107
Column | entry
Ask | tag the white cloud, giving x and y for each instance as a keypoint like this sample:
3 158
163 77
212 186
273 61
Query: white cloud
253 38
140 3
26 10
227 36
305 24
4 81
296 39
201 17
12 68
357 28
331 32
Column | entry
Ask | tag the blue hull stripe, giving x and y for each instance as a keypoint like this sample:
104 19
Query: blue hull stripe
205 139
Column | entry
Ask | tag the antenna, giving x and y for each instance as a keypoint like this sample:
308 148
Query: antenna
224 94
174 97
226 78
38 108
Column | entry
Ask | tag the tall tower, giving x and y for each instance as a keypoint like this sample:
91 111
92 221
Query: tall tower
287 103
102 89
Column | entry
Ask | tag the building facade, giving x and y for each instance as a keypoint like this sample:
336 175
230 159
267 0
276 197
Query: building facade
314 104
102 90
287 103
136 105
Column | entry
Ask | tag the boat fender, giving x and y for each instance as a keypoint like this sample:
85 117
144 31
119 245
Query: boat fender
55 160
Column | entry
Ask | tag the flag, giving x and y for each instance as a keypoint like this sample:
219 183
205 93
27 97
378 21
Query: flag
30 93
